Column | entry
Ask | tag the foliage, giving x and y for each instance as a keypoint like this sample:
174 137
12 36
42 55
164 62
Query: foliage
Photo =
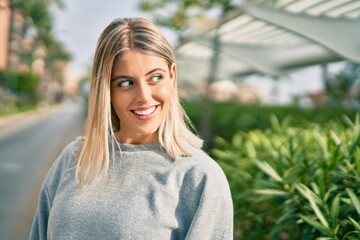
295 183
340 84
179 14
229 117
37 16
24 85
56 51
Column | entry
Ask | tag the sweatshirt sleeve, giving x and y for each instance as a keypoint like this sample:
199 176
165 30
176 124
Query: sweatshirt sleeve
213 219
40 221
48 190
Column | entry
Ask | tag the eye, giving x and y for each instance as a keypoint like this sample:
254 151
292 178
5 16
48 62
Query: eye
126 83
155 79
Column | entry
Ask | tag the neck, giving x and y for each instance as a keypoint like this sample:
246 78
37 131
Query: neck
136 139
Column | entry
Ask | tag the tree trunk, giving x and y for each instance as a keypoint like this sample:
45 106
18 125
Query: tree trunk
205 129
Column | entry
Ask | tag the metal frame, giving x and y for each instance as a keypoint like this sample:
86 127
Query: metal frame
275 38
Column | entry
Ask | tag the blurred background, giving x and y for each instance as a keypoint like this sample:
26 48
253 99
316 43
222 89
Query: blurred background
273 87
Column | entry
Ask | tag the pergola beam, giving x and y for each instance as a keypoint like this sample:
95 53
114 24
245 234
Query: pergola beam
194 68
274 60
340 35
251 55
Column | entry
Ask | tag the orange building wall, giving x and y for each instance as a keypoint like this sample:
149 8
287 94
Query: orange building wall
4 32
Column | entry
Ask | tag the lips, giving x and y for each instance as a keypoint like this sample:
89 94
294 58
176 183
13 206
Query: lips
145 113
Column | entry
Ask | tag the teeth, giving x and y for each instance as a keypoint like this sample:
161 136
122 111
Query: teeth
145 112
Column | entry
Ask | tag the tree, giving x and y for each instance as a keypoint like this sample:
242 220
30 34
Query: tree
179 14
56 56
339 85
37 29
38 17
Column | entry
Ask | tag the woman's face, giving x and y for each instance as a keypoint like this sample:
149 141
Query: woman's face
141 88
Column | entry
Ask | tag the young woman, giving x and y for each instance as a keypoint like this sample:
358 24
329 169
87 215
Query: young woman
138 172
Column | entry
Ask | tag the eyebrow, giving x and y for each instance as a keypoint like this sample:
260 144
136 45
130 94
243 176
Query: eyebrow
148 73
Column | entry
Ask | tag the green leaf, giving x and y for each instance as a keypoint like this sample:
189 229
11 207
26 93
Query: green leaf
335 138
285 216
322 141
328 192
275 124
250 149
317 211
305 191
315 187
348 121
336 230
335 209
237 141
265 167
354 199
273 192
346 200
312 198
220 141
356 224
224 155
316 225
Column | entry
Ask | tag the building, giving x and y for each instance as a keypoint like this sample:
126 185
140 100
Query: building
5 13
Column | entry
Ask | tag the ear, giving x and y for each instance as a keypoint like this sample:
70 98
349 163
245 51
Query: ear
172 73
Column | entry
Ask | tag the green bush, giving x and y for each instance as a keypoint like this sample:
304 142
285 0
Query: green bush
293 182
229 117
24 85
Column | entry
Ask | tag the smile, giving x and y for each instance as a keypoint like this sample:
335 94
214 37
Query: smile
146 112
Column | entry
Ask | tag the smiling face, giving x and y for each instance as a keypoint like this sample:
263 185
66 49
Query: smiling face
141 88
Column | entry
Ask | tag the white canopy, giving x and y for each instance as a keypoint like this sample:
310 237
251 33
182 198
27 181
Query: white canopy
273 37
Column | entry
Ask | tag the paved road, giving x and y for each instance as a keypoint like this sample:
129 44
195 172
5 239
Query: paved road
28 146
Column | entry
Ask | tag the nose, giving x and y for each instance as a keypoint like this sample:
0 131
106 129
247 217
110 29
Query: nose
143 94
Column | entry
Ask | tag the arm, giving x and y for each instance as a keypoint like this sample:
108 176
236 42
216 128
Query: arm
213 220
39 229
40 221
213 217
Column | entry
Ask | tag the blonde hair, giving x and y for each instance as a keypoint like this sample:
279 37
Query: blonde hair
119 36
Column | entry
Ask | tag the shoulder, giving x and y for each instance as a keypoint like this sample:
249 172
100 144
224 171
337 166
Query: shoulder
201 170
65 161
69 153
202 161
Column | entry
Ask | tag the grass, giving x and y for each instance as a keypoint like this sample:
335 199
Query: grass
16 110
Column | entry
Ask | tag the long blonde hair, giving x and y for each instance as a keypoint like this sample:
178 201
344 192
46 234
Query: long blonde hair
98 144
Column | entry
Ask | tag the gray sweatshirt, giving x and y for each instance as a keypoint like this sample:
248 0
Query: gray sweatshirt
146 195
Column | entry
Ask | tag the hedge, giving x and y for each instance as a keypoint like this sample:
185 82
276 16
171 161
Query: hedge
295 183
22 84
